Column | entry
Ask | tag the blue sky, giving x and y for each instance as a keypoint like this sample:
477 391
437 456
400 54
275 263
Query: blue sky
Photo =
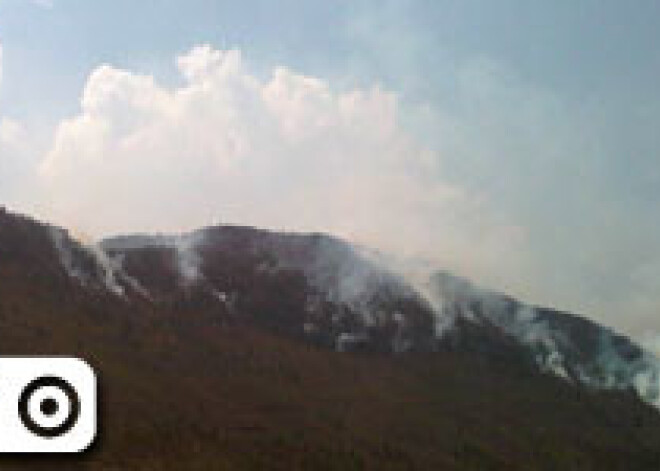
578 48
518 144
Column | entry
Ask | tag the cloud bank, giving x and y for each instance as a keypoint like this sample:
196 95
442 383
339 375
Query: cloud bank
283 152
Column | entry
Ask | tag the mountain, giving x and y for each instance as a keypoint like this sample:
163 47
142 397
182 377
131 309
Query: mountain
343 297
237 348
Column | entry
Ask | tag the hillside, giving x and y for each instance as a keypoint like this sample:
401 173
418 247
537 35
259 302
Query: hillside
220 352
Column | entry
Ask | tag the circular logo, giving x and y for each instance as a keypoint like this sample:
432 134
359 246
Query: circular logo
49 406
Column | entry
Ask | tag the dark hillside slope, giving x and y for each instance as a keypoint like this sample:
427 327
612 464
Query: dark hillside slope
190 384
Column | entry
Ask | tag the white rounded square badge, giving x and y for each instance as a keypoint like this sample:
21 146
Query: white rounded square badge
47 405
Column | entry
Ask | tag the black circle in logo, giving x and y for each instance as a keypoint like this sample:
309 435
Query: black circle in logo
49 407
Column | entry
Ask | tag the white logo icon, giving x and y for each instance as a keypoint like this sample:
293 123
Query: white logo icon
47 405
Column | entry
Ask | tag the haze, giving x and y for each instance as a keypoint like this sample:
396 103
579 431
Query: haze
512 142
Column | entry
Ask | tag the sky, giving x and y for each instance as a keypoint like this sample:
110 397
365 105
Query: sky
512 142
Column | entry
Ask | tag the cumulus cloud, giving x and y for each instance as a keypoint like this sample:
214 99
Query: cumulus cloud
284 152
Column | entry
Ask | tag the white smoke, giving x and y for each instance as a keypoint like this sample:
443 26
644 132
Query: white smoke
185 247
451 298
188 259
61 242
651 342
109 268
66 248
611 368
105 271
615 371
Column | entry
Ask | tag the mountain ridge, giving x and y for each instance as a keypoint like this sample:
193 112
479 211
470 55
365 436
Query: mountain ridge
212 364
353 300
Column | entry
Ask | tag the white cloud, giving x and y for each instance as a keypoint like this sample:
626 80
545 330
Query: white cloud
285 152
